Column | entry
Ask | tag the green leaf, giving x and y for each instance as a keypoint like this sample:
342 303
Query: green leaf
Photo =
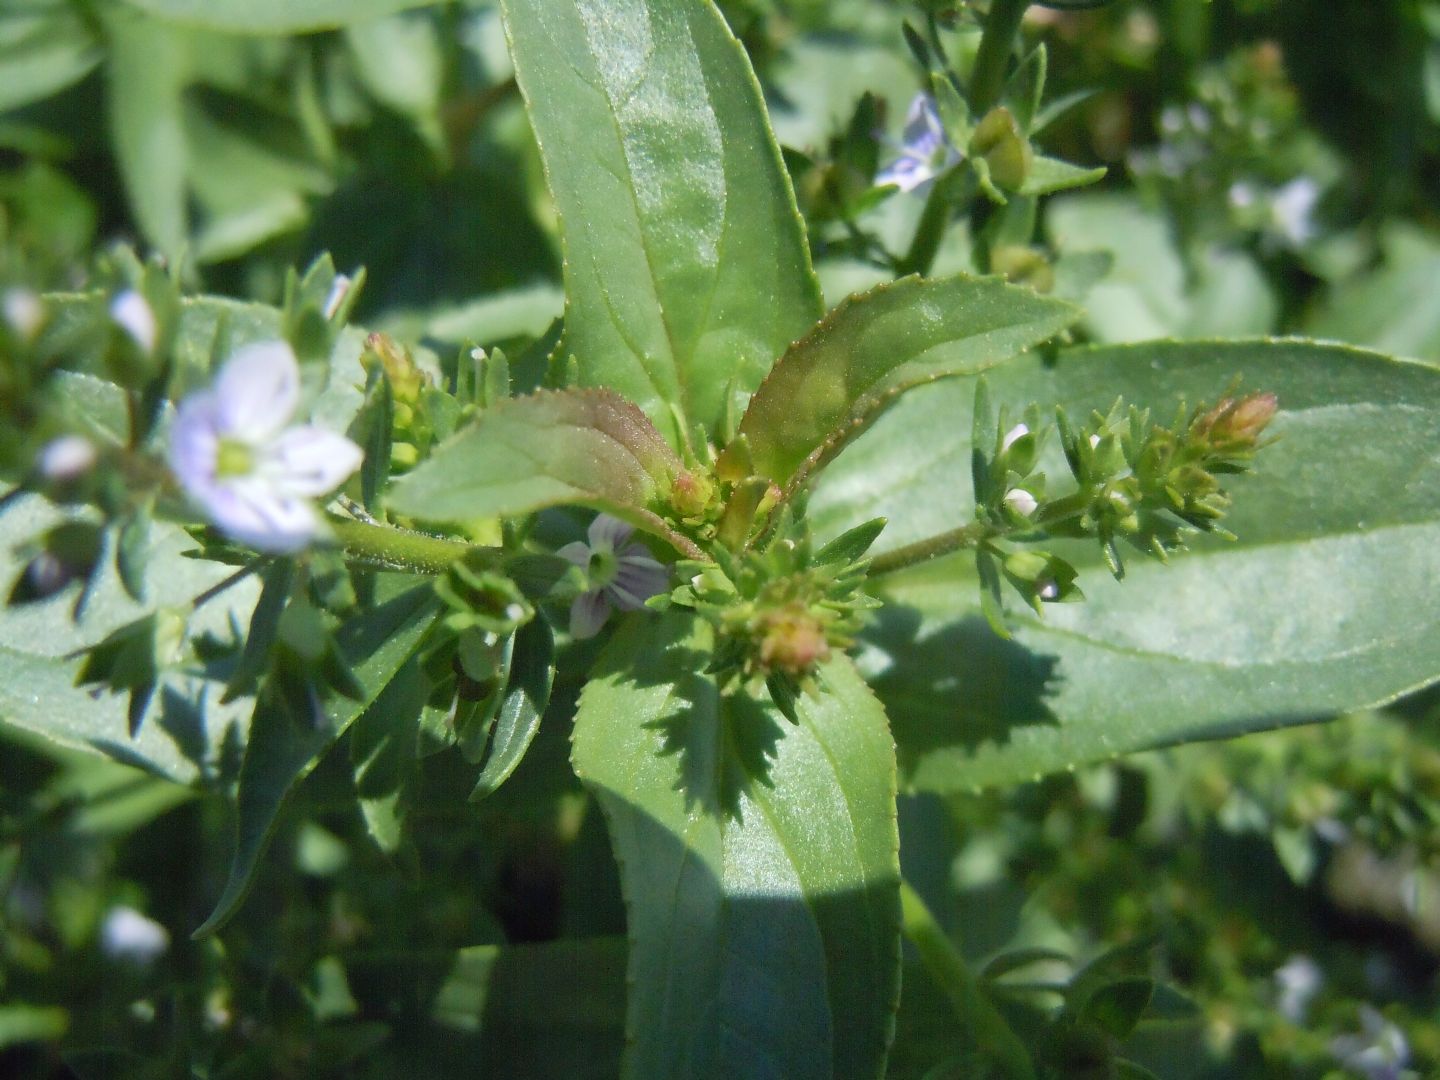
273 16
587 447
758 860
686 266
191 736
1051 174
43 52
21 1023
384 745
400 60
835 381
1315 609
1116 1007
532 670
1146 295
1390 308
281 753
149 68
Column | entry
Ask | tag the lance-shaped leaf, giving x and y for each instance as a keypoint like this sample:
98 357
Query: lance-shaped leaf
758 860
587 447
1320 606
837 379
282 752
686 266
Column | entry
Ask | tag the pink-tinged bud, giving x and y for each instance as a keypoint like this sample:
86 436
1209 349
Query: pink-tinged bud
692 496
794 641
1236 422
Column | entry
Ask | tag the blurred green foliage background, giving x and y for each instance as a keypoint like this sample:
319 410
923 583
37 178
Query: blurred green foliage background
1274 168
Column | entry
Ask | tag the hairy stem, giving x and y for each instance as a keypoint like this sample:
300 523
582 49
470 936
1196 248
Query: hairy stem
996 44
967 536
950 972
400 549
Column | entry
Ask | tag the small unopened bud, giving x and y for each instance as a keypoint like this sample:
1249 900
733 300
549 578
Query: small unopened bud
794 641
1236 422
1047 589
1024 266
66 459
692 496
132 313
1019 431
1020 501
45 575
24 311
406 377
1006 151
339 289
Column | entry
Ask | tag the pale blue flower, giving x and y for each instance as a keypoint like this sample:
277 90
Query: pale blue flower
235 453
1379 1052
925 149
128 935
622 574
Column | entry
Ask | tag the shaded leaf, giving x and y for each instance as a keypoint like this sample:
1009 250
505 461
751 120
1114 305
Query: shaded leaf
758 861
281 752
532 671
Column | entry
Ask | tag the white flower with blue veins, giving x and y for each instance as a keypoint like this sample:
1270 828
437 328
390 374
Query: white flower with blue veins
925 149
622 574
234 451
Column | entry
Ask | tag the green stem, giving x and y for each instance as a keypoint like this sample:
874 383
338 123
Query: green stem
996 44
948 968
967 536
399 549
946 193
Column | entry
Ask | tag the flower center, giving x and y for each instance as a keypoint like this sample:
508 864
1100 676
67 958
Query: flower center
603 569
233 459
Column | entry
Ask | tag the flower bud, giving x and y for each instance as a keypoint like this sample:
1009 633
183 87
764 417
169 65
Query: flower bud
1236 423
133 314
692 496
1006 151
794 641
1023 265
1020 502
24 311
66 459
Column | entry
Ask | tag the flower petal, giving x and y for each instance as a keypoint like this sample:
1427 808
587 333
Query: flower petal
588 614
195 442
608 533
258 390
253 513
577 552
311 460
638 579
